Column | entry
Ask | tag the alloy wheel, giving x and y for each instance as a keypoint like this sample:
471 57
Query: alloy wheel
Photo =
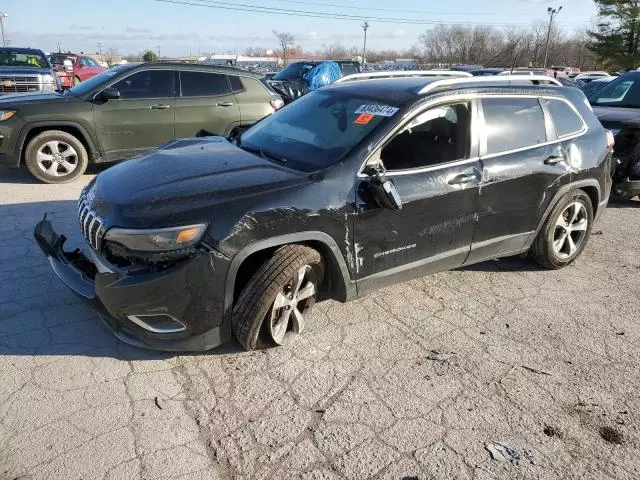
292 304
57 158
570 231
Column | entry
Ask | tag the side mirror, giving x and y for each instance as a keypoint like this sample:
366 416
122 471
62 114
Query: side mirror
110 93
384 193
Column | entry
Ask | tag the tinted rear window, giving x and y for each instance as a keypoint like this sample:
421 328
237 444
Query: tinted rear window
622 92
200 84
565 120
513 123
318 129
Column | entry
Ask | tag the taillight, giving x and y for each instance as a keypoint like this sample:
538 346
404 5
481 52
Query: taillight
276 104
611 141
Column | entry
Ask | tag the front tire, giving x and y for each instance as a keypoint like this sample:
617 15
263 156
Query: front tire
277 301
55 156
565 232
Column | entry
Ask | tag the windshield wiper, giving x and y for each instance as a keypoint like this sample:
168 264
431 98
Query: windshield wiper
265 154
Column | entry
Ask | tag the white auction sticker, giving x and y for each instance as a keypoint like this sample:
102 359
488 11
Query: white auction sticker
381 110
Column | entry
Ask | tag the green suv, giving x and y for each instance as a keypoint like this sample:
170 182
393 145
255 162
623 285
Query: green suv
125 112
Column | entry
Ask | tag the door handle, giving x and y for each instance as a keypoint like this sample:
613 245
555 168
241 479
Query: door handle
460 179
553 160
160 107
224 104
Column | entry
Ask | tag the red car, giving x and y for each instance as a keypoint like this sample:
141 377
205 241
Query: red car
77 69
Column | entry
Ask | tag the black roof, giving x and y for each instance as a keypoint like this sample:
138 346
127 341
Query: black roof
397 91
21 50
196 66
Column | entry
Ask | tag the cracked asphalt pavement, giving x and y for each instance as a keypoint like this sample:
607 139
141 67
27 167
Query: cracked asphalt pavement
413 382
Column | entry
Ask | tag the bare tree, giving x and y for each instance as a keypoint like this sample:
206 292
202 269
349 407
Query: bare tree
285 40
334 51
111 56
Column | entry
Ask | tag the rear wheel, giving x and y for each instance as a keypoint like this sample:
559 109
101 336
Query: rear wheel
565 232
278 300
55 156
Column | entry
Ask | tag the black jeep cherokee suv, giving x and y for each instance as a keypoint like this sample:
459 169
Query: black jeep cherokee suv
352 187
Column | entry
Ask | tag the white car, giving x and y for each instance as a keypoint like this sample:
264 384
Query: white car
588 76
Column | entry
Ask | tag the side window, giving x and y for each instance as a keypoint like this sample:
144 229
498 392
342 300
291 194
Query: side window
236 84
146 84
200 84
513 123
564 118
438 135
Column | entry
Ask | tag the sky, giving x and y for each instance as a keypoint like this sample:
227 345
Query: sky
130 26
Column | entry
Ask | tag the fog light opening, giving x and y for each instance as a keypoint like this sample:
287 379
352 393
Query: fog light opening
159 323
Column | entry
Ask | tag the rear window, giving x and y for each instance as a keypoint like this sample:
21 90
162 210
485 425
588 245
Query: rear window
20 58
348 68
513 123
201 84
565 119
318 129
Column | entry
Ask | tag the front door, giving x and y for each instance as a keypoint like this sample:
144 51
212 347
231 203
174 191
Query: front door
522 171
141 119
205 105
433 162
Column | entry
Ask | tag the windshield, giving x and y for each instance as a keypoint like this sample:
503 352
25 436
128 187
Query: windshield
35 59
294 71
317 130
104 77
622 92
591 87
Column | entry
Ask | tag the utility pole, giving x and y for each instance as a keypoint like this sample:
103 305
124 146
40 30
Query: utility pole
3 15
100 51
158 51
552 13
365 27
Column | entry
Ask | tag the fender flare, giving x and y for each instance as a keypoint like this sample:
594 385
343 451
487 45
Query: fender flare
93 152
298 237
562 191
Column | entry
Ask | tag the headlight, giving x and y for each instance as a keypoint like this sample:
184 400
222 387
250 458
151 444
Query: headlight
157 240
48 82
6 114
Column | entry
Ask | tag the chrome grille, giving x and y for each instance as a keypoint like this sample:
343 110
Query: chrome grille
91 225
19 84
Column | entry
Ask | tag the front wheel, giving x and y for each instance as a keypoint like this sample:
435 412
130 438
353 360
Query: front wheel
277 302
565 232
55 156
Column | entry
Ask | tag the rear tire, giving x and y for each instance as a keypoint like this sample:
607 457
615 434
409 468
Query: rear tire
565 232
277 301
55 156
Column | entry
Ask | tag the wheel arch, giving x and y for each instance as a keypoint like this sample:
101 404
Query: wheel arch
337 283
590 186
72 128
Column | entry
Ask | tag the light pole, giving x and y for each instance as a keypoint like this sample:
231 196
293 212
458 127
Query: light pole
3 15
365 27
552 13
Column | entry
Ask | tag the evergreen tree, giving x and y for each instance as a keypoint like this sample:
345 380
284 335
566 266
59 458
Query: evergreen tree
618 35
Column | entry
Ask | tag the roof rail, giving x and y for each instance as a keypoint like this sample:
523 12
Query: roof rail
401 74
508 79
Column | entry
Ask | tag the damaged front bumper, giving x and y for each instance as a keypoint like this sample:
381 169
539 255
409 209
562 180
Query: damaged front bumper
179 308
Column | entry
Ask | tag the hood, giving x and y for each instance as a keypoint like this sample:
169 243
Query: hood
19 99
617 117
182 178
9 70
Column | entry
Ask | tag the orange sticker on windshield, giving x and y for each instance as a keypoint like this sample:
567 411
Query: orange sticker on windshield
363 118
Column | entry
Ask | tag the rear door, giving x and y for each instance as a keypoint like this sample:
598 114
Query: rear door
524 165
253 98
205 104
141 119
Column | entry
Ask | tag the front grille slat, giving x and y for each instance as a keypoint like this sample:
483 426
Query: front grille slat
91 225
19 84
